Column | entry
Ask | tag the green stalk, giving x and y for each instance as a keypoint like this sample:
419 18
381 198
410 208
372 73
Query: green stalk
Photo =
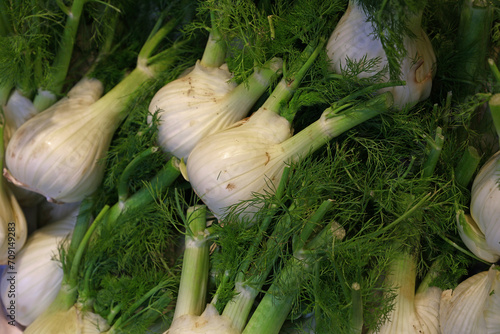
300 242
263 227
473 38
277 303
247 288
494 70
60 66
332 124
401 277
72 280
195 265
244 96
156 37
285 89
133 310
2 151
240 306
467 166
165 177
436 147
494 105
433 272
123 182
5 25
67 295
5 90
356 309
82 223
214 54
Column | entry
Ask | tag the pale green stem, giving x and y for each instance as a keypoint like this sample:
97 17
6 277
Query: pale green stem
134 310
494 104
356 309
433 272
157 35
215 50
263 227
240 306
274 308
401 277
72 280
59 68
2 151
494 70
4 95
467 166
285 89
247 288
473 38
165 177
243 97
123 182
435 148
195 265
332 124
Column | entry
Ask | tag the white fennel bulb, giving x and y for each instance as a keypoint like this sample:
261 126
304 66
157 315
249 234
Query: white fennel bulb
473 306
37 275
249 157
17 111
354 39
56 152
7 324
71 321
204 101
209 322
13 225
481 230
413 312
230 165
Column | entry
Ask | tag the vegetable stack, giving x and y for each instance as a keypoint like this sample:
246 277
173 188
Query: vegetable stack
201 166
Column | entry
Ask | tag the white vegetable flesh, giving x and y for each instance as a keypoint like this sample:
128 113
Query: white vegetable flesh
473 306
232 164
71 321
354 40
38 272
484 219
205 101
209 322
13 224
188 108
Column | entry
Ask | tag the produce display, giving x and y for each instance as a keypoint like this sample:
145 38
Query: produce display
254 167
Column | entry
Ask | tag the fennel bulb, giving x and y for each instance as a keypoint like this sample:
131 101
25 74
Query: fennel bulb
70 321
38 275
354 40
7 326
413 313
17 111
209 322
473 306
56 152
13 225
481 230
231 165
204 101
